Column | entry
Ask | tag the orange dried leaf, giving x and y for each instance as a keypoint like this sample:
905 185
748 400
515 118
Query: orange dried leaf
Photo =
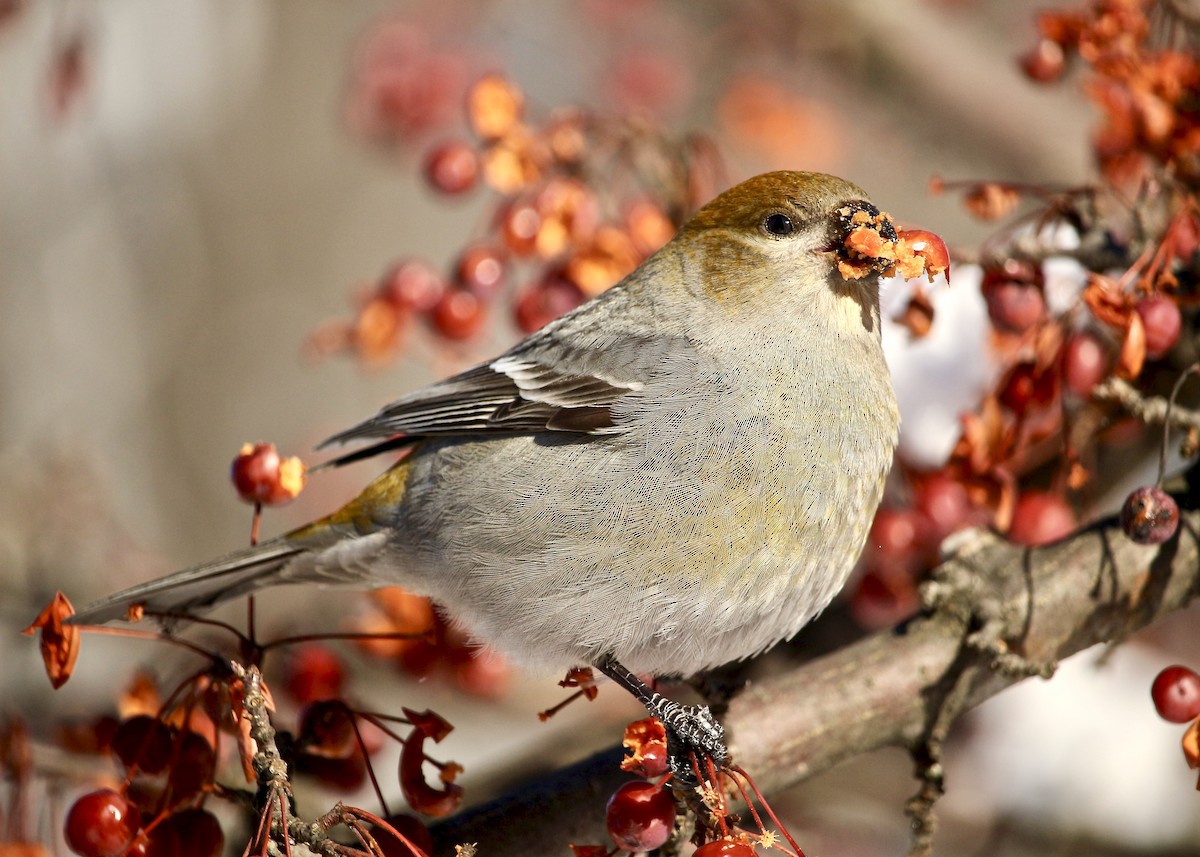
140 696
429 723
1106 300
1191 744
1133 349
917 315
421 796
991 200
59 643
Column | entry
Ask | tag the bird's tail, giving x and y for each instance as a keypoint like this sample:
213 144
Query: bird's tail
339 549
201 586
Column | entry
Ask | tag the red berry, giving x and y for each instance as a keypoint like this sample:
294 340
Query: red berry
101 824
260 475
944 501
144 741
347 774
900 538
1040 518
412 829
1015 307
1162 323
724 848
930 247
1084 363
327 729
1045 63
1176 694
520 224
313 672
193 767
1149 516
640 816
458 315
452 167
412 285
197 831
481 673
884 596
546 301
1025 386
481 270
1014 295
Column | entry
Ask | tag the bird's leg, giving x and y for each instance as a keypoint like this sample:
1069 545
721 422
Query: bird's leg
690 728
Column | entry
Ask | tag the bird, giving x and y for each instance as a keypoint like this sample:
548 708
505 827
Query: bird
677 474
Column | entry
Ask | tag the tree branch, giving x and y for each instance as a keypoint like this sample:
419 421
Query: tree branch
996 614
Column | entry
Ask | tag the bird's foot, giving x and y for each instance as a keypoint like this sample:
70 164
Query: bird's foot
693 735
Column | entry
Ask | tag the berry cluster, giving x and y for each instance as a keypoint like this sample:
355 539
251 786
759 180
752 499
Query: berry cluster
1143 84
1025 462
413 634
642 815
579 200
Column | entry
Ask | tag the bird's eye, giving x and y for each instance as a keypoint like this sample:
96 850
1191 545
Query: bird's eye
779 225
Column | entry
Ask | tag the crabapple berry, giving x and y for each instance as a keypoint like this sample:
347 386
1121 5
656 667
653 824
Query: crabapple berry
1162 322
1149 516
101 824
640 816
1176 694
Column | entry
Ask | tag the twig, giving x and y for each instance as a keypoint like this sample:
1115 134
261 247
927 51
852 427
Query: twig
1148 409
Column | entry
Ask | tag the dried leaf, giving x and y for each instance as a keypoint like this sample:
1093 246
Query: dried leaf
1106 300
1133 349
1191 744
991 200
59 643
917 315
421 796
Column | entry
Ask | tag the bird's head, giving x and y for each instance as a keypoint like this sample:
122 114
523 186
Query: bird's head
788 234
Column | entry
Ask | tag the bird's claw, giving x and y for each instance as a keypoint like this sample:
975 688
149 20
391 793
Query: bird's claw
692 731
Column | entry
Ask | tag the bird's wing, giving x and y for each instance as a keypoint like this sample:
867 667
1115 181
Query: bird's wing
543 384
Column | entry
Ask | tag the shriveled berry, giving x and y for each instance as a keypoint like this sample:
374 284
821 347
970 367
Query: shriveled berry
1162 322
1149 515
640 816
1176 694
101 824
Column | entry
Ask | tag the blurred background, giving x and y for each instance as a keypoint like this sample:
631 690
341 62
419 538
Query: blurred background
189 189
